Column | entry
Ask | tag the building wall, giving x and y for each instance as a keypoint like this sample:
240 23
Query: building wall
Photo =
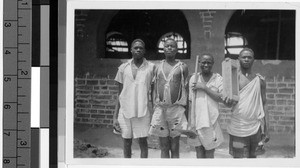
96 93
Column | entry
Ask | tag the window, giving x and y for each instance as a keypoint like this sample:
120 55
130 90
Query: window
234 43
116 45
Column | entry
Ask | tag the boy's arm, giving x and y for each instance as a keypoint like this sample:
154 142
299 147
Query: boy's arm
116 113
153 87
264 101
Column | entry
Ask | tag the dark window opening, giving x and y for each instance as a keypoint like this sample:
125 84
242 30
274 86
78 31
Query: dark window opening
270 33
149 25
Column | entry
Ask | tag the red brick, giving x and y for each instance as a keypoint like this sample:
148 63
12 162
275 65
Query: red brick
270 102
281 102
289 129
270 96
289 79
84 110
111 82
102 82
271 85
279 79
94 92
107 121
98 106
104 87
275 118
281 84
114 92
83 96
85 120
98 102
291 102
103 97
80 82
106 92
109 116
114 88
283 96
110 107
286 90
77 119
96 87
276 113
292 114
269 79
285 118
292 85
83 105
284 123
97 116
83 115
81 101
92 82
108 112
271 90
273 123
289 108
82 92
84 87
275 108
100 111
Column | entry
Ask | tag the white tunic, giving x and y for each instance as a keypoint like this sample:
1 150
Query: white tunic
134 95
247 114
206 111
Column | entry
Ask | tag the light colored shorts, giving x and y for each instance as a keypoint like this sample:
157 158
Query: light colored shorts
208 137
134 127
166 119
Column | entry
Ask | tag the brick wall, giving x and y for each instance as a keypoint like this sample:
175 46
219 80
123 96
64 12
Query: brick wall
96 98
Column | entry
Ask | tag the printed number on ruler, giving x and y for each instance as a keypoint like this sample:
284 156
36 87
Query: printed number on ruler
16 83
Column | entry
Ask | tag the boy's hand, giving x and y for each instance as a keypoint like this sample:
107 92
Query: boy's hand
229 102
116 125
198 85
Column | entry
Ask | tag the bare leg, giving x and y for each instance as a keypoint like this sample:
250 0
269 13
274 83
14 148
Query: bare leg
200 152
210 153
144 147
164 147
127 147
175 147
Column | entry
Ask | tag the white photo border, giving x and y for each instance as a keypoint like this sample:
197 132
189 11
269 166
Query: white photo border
71 162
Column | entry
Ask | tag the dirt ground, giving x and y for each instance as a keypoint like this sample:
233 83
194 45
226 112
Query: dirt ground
109 145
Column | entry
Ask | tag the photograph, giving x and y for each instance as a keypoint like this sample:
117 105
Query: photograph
180 82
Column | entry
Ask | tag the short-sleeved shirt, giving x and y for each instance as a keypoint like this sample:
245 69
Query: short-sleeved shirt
134 95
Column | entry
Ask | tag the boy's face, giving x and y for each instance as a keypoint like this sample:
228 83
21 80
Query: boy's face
170 48
246 59
206 63
138 50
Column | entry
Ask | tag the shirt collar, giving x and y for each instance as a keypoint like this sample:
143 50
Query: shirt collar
133 65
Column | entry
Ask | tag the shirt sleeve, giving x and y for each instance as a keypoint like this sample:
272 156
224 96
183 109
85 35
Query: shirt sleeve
219 83
119 77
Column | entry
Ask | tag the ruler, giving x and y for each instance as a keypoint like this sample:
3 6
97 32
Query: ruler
16 83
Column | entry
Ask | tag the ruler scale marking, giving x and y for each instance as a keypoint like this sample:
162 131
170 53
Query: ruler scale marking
16 83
